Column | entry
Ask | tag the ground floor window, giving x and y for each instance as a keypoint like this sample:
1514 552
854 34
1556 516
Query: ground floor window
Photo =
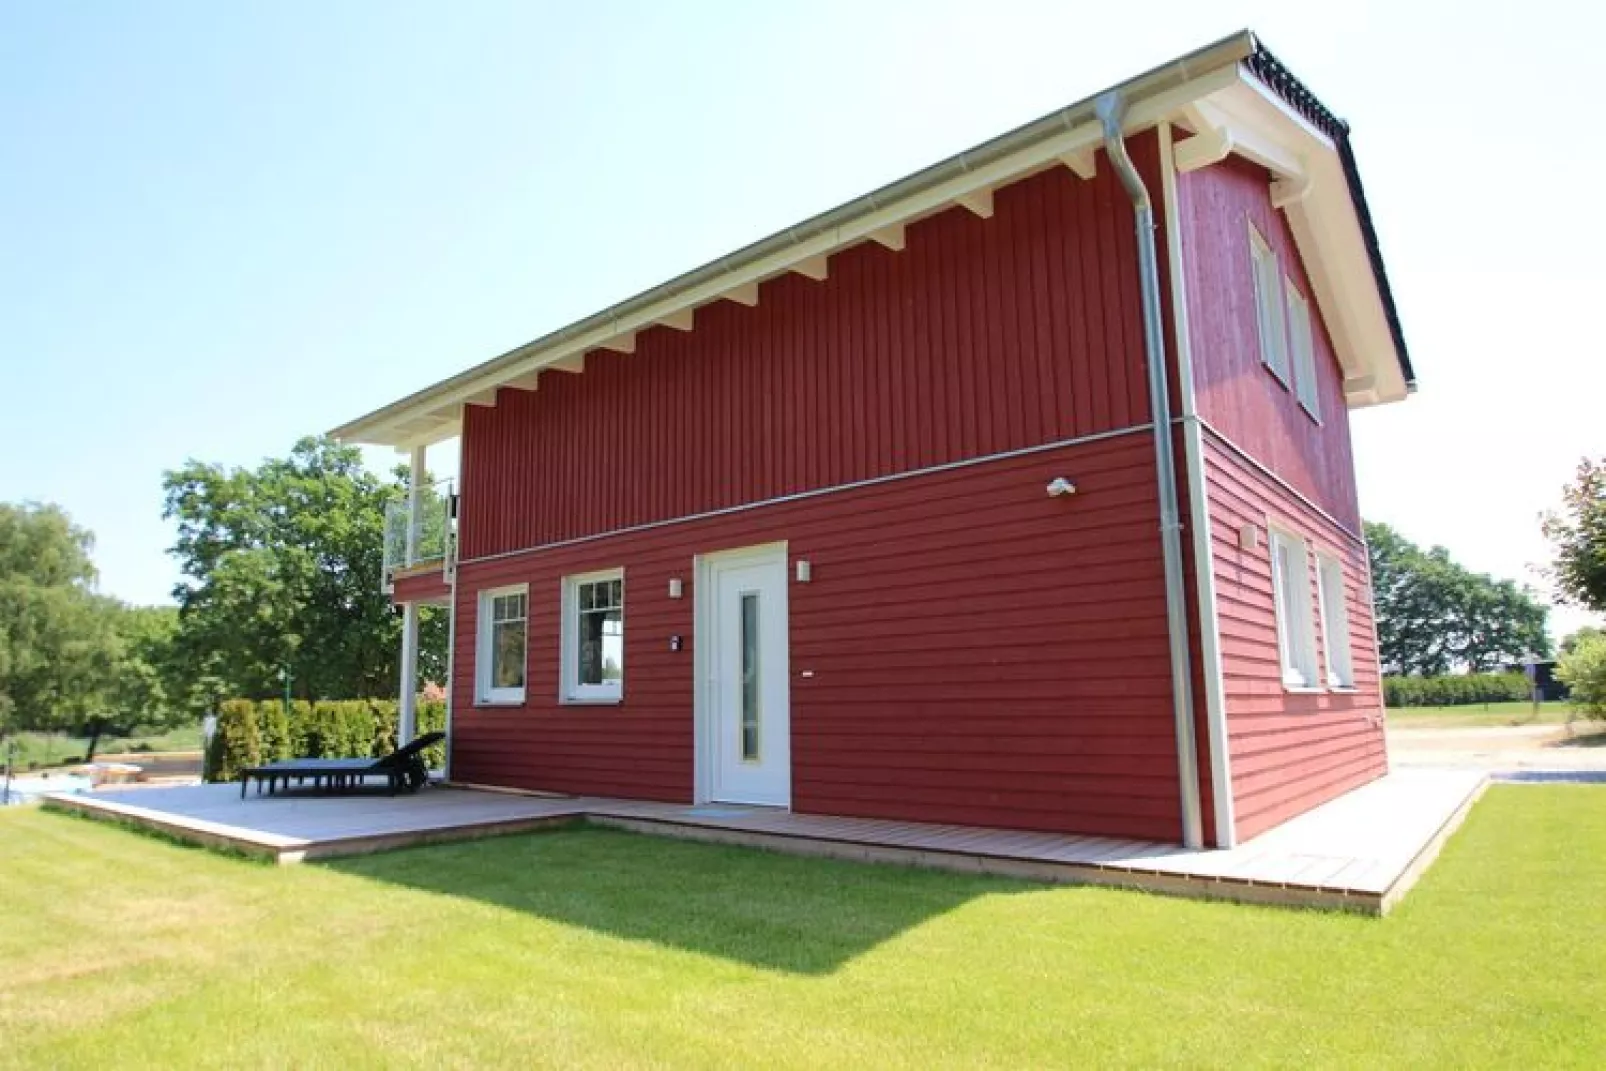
594 636
1291 590
1335 622
501 649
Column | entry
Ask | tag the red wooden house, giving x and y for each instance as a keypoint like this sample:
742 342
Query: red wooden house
1017 493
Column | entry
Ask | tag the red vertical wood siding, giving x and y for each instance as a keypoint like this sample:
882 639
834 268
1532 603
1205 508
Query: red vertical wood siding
981 653
1290 750
980 336
1236 393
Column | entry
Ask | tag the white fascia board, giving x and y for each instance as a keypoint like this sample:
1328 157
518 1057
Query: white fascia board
1143 113
1321 214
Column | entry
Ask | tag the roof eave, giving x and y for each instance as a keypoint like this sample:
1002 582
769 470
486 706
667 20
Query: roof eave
419 417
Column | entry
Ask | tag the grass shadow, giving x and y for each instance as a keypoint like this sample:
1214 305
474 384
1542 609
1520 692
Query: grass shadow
765 909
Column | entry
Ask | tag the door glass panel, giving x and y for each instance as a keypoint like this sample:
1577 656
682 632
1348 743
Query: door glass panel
750 694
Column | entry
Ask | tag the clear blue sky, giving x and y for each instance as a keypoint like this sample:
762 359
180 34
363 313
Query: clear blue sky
223 225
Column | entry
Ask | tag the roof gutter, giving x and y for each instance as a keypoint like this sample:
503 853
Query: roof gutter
1226 53
1111 110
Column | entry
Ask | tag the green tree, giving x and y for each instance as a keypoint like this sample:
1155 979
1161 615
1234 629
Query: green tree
1577 531
143 686
281 566
1583 670
58 646
1434 615
1570 642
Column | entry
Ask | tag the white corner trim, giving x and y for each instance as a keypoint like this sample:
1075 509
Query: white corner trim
1199 515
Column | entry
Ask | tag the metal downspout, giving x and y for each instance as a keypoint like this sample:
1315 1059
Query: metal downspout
1110 109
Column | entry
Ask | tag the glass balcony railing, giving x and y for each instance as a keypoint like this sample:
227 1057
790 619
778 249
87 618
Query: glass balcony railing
423 538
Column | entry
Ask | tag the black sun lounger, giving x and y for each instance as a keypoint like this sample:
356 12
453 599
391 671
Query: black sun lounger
404 768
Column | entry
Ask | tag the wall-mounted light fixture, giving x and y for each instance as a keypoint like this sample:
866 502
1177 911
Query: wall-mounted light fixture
1059 485
805 571
674 587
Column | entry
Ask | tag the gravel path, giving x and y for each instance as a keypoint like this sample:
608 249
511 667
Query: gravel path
1535 748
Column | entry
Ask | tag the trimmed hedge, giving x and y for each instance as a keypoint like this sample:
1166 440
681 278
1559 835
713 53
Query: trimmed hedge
251 732
1453 691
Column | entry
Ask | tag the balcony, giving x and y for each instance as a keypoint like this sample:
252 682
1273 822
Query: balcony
420 534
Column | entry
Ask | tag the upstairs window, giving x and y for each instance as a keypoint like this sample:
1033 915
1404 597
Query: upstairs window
1335 622
500 653
594 637
1269 313
1291 591
1302 342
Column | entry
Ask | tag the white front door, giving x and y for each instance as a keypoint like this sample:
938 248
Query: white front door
746 731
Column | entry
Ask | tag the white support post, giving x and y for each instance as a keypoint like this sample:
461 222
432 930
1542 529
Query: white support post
407 704
407 726
415 503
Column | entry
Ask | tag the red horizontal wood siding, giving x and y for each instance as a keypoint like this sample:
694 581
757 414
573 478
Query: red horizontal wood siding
980 336
1235 391
980 653
430 587
1290 750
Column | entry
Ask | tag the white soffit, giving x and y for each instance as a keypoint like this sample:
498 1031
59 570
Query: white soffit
1310 186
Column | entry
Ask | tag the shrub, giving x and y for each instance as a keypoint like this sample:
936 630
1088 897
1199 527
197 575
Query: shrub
432 719
237 743
1449 691
277 739
250 732
1583 669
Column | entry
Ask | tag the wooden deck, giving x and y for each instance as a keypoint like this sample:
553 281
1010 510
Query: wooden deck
1361 852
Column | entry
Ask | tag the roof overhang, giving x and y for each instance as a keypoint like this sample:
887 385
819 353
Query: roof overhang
1212 92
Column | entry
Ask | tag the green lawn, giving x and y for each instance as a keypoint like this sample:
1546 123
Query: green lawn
1482 714
596 948
40 750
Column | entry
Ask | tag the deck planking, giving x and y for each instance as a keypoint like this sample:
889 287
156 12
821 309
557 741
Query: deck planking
1358 852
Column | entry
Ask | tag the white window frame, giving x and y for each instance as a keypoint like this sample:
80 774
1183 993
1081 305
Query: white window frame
484 650
570 688
1302 343
1296 626
1332 592
1270 315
